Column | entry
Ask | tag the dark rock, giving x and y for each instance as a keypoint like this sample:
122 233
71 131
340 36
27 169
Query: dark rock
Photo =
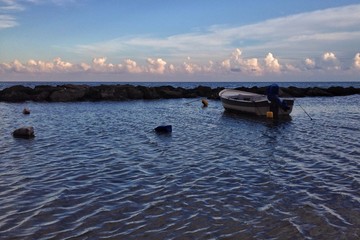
169 92
26 111
72 92
316 91
294 91
68 93
134 92
163 129
16 93
24 132
149 92
341 91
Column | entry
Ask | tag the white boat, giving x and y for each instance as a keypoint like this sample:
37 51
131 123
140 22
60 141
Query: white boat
252 103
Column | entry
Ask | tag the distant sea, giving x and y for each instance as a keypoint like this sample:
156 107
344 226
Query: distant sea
97 170
192 84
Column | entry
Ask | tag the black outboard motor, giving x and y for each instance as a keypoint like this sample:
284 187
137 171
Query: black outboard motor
272 93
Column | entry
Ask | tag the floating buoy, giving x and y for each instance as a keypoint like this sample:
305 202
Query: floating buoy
204 102
26 111
269 114
163 129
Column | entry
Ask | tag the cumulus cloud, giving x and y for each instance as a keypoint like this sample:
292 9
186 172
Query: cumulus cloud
38 66
329 56
291 68
272 64
156 66
309 63
330 61
252 65
85 67
99 61
357 61
236 63
100 65
189 67
132 67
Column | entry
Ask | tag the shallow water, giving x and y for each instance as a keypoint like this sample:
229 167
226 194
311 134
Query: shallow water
98 170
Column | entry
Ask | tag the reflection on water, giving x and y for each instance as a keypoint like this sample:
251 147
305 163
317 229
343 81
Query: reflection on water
270 122
98 170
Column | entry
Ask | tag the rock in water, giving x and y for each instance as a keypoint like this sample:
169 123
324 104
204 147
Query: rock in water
164 129
26 111
24 132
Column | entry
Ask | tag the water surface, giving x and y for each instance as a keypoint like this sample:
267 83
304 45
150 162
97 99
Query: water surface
98 170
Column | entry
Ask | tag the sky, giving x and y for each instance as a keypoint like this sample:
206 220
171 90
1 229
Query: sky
187 40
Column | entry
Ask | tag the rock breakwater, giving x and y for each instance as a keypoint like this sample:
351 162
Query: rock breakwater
73 93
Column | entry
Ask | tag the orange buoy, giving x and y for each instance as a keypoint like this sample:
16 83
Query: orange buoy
269 114
204 102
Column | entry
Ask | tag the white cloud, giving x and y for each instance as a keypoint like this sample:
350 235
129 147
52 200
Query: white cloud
190 67
236 65
272 64
7 21
330 62
252 66
17 66
292 37
236 54
11 6
9 9
329 56
310 63
132 67
226 64
85 67
38 66
156 66
99 61
291 68
357 61
62 64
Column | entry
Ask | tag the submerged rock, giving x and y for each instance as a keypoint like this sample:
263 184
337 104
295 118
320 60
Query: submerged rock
24 132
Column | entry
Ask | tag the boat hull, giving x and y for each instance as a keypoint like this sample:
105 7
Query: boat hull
251 103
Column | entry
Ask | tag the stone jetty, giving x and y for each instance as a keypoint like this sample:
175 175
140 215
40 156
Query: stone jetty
118 92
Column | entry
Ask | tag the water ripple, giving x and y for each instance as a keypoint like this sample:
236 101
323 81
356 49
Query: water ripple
98 171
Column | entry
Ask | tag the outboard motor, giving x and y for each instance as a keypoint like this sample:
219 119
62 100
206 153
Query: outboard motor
272 93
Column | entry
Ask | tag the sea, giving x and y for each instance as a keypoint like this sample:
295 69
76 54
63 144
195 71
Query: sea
98 170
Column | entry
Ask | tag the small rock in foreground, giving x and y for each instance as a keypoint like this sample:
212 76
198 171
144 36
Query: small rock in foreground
24 132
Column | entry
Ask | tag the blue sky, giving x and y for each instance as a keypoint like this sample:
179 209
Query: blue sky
164 40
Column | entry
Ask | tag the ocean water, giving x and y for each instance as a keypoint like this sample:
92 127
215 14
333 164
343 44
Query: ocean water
99 171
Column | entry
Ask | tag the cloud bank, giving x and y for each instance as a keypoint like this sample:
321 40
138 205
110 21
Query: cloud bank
233 66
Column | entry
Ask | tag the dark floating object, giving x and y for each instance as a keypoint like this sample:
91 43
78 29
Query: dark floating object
26 111
24 132
164 129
